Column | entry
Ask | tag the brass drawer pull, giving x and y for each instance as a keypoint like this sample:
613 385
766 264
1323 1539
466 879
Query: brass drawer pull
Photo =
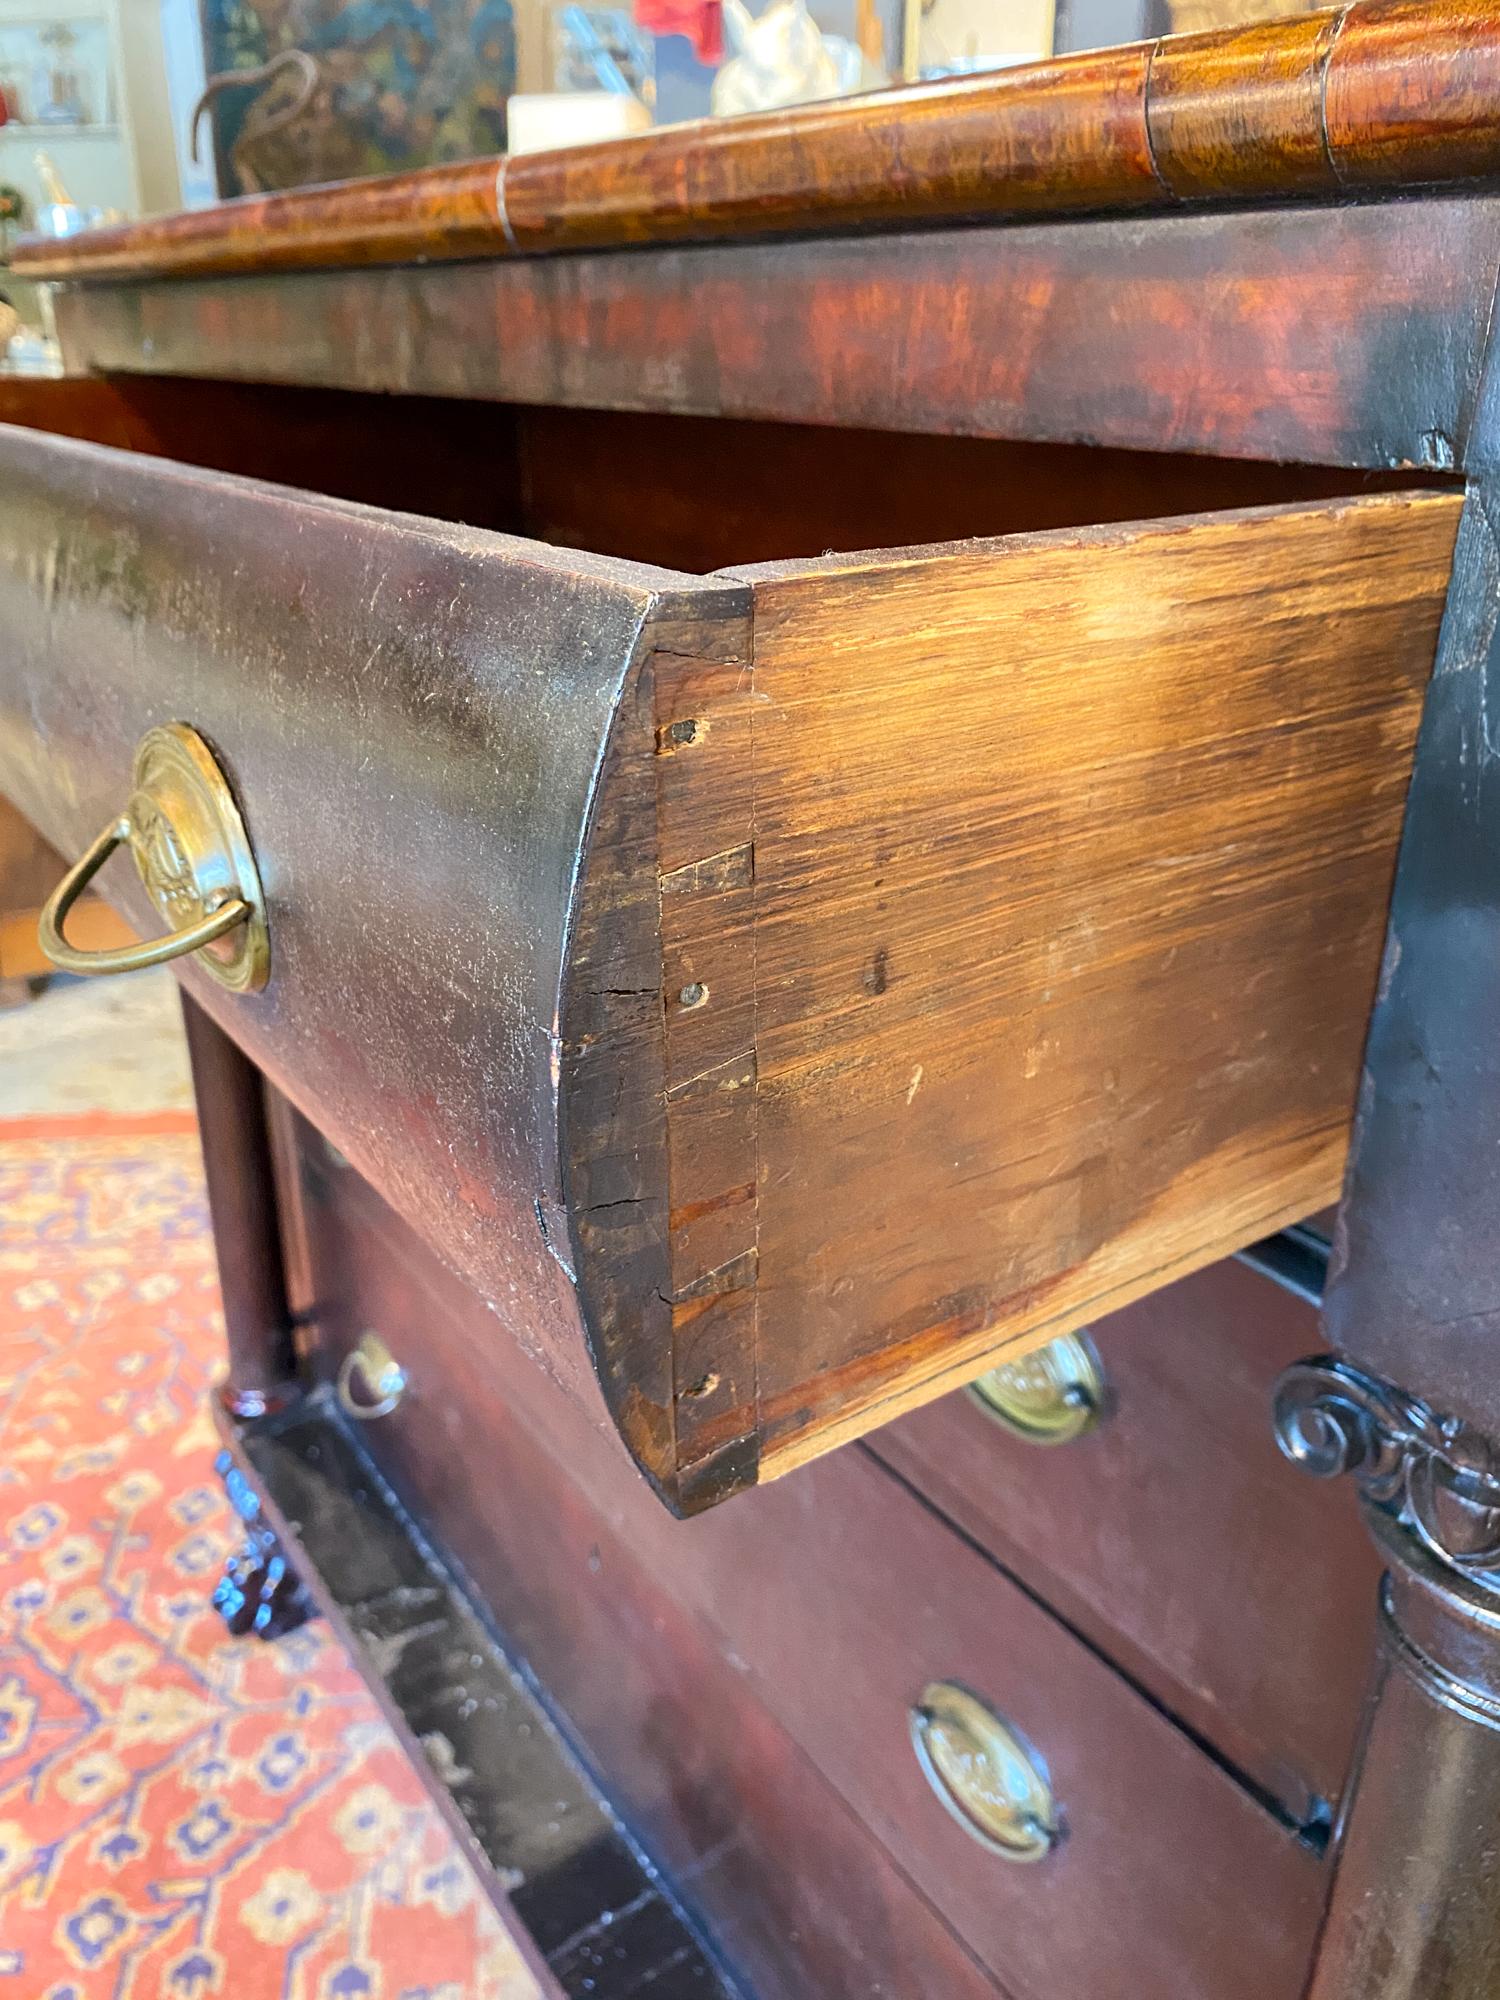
1050 1396
993 1783
192 852
371 1380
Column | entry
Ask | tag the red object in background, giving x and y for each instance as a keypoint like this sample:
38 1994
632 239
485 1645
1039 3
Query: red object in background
702 21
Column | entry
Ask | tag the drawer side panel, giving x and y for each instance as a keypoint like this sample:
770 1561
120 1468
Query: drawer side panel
1072 861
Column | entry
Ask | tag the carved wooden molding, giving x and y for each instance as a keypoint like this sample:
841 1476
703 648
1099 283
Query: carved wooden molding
1433 1475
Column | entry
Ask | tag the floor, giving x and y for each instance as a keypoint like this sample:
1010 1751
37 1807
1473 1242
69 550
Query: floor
182 1815
95 1046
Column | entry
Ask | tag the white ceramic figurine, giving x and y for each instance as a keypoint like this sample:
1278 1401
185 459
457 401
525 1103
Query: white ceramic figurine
780 57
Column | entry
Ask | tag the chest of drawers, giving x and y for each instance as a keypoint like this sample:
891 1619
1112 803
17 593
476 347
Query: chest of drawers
684 1002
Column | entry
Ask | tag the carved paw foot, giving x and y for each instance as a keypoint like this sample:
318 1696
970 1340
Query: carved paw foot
259 1591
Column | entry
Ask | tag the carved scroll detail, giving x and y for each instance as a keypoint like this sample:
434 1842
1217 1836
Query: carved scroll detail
1436 1475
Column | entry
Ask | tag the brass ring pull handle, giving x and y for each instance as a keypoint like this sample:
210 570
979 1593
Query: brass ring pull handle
987 1776
192 852
1051 1396
126 957
371 1381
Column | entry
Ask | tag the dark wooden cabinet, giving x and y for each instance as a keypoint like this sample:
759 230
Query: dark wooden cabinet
819 716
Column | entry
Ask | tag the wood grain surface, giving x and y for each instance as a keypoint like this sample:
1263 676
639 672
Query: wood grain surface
798 1893
952 944
1382 93
705 493
1072 855
420 454
1342 335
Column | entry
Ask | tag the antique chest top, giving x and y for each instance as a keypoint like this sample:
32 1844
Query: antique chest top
1376 96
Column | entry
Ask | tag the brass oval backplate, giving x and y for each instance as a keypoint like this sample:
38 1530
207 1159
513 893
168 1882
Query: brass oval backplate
191 851
989 1779
1050 1396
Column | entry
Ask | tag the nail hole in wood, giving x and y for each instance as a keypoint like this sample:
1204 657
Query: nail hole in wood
677 735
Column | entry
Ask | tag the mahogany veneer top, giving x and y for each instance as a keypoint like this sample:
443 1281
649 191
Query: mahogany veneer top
1380 94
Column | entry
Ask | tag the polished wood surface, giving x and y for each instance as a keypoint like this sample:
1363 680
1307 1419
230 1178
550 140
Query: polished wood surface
415 764
817 1065
1415 1280
230 1096
425 455
800 1896
1342 335
1176 1537
1423 1813
1384 93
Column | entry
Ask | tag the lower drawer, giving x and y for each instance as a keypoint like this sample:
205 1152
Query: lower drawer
799 1896
1241 1593
835 1598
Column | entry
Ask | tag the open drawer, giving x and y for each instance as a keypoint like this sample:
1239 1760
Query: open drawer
777 992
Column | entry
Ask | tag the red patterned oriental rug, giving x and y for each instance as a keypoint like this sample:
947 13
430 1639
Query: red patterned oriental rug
182 1814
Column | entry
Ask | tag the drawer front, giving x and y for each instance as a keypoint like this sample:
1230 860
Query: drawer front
776 993
1175 1535
1167 1879
410 718
838 1598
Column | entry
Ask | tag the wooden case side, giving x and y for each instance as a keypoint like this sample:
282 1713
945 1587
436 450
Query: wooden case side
658 1064
1072 854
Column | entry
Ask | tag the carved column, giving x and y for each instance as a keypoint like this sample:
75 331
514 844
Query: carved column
1415 1906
